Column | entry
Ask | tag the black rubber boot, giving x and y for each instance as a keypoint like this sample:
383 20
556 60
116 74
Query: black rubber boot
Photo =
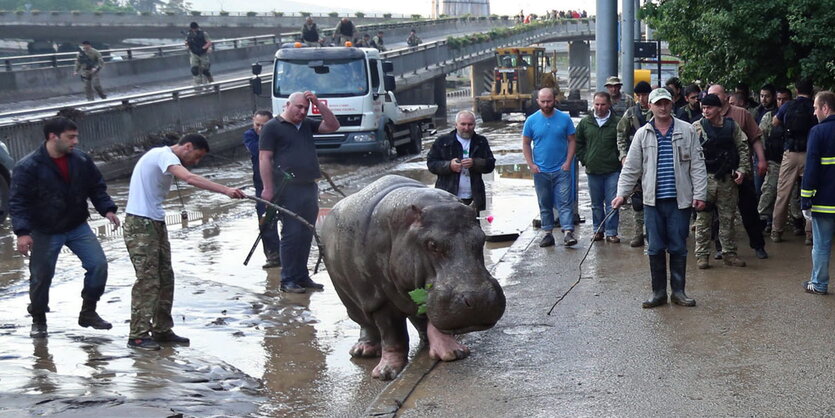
38 326
89 318
658 272
678 268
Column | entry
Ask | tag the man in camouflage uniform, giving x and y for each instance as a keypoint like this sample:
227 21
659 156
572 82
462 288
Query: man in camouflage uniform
635 117
774 145
620 101
725 148
146 237
88 64
198 43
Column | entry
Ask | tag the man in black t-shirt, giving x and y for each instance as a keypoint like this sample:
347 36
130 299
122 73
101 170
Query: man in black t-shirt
289 169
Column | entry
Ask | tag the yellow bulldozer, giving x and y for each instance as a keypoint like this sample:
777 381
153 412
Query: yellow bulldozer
519 73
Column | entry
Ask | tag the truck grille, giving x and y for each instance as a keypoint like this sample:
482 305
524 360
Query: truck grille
344 120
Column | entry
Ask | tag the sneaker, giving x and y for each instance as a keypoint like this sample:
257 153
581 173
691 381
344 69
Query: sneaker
598 236
547 240
810 288
613 239
292 288
776 236
761 254
732 259
169 337
307 283
143 344
271 264
38 331
702 263
569 239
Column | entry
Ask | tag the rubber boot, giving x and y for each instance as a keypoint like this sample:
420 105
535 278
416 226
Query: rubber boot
89 318
658 272
38 326
678 268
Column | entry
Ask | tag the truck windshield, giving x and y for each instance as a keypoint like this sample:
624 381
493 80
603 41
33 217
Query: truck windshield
325 78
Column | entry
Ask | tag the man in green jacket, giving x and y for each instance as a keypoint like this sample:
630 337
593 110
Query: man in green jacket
597 150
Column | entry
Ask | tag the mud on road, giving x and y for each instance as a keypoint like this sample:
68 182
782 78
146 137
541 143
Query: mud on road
255 351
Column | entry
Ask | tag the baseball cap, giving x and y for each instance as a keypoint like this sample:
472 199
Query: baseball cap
660 94
613 81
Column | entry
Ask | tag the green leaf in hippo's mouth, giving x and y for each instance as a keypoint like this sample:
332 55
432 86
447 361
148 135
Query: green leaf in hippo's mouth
419 297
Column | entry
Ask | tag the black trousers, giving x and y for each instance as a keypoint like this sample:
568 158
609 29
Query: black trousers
747 205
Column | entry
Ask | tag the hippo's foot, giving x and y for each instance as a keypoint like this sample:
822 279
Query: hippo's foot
390 365
365 349
445 347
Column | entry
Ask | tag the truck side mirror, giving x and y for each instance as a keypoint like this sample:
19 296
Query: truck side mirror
255 85
388 67
256 69
388 83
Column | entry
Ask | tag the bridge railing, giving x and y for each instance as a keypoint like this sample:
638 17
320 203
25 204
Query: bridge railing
67 59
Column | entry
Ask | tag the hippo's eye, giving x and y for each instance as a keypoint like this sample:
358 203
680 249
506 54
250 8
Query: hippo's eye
433 246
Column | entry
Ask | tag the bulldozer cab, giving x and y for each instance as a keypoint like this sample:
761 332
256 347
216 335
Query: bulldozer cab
519 69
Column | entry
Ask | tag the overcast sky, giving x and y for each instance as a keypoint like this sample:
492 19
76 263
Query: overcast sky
422 7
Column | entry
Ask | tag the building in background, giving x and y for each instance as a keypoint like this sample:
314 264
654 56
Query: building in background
453 8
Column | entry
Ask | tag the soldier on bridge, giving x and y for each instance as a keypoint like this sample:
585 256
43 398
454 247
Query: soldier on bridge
198 43
88 64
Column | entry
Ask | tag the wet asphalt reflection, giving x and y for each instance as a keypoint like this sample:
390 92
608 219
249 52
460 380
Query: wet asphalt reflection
254 350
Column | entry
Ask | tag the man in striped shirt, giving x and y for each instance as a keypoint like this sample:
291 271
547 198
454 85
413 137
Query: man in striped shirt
666 157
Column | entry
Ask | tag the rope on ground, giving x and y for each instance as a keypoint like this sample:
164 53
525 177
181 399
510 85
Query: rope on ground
580 266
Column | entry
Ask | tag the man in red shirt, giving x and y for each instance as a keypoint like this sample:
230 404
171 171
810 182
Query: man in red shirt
48 205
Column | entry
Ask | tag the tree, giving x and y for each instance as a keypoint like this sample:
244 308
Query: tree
755 41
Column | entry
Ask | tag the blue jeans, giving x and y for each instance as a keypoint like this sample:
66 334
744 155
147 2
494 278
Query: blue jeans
823 227
269 233
45 249
603 188
303 200
667 227
554 190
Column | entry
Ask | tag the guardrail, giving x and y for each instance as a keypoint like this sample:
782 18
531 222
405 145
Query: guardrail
66 59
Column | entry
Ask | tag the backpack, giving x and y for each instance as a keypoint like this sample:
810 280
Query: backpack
798 120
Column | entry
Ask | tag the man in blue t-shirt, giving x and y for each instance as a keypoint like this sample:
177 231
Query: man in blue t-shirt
550 161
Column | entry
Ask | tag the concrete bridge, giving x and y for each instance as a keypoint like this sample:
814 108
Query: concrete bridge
112 128
67 26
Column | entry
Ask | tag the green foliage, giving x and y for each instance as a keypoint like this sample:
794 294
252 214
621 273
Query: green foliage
196 13
35 12
419 297
386 15
224 13
359 15
251 14
305 14
417 17
505 17
333 14
755 41
278 14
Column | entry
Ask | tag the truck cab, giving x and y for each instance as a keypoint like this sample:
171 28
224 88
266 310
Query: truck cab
357 85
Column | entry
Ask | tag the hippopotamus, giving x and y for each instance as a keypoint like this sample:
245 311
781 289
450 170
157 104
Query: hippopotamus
397 235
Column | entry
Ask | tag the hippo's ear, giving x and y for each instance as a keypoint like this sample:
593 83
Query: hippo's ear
413 215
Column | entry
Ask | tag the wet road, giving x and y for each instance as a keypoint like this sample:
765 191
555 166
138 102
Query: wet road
255 350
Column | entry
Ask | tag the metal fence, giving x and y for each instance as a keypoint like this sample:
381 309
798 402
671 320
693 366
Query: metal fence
119 125
66 59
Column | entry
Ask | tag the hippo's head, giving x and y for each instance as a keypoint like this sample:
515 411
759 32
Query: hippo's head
464 297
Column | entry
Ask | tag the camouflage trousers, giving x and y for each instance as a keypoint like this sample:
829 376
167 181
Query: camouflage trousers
639 221
723 194
91 83
200 67
153 292
769 194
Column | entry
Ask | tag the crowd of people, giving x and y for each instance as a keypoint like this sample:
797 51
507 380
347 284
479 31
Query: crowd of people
550 15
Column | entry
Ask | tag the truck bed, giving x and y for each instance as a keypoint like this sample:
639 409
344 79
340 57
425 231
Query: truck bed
411 113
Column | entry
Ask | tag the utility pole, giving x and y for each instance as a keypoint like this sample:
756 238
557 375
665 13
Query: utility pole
606 27
627 46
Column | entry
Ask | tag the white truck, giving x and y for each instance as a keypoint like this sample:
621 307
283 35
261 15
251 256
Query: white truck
357 85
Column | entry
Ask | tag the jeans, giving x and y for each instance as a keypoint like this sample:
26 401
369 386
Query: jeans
554 190
269 233
603 188
303 200
45 249
667 227
823 227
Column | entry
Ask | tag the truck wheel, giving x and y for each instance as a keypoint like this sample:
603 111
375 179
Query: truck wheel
4 199
416 144
389 133
487 112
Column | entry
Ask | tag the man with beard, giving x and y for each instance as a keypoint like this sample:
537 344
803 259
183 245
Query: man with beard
692 111
459 158
620 101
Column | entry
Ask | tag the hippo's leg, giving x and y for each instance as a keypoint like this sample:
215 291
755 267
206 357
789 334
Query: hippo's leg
395 339
444 346
368 344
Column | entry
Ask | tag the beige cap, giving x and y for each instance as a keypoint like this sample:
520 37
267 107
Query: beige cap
660 94
613 81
